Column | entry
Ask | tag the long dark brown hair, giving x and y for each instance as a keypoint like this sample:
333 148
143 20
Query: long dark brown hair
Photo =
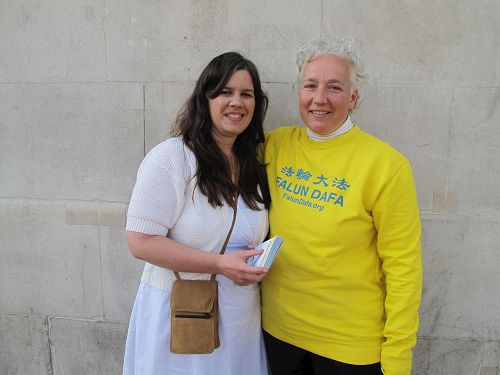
194 124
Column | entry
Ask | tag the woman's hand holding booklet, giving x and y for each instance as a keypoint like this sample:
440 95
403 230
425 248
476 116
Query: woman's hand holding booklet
266 259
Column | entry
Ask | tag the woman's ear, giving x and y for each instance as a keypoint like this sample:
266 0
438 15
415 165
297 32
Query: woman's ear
354 99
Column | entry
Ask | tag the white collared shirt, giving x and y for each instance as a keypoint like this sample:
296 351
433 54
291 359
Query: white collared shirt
346 126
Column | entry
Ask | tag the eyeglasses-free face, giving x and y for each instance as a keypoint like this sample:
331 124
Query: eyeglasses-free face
232 111
326 93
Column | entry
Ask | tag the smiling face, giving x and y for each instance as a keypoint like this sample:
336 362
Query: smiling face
232 110
326 94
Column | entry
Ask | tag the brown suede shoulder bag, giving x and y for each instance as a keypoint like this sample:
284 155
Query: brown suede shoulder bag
194 308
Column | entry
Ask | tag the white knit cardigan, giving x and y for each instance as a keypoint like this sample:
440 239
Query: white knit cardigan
166 202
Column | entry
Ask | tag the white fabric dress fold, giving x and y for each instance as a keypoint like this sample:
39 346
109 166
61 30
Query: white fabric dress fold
242 350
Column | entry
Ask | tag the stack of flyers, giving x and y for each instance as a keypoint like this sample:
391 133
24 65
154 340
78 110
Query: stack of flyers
270 248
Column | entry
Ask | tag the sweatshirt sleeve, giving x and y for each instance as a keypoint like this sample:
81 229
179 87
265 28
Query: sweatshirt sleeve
159 192
397 219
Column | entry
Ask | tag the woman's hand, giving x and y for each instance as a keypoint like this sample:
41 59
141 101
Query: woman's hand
167 253
234 267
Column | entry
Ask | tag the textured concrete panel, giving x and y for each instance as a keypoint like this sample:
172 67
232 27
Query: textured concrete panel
167 41
95 213
24 345
82 212
437 43
163 101
475 149
47 267
414 120
52 41
86 88
149 41
491 354
87 347
74 141
283 105
461 279
444 200
443 357
121 274
112 214
488 370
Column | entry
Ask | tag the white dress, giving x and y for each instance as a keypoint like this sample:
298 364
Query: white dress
241 352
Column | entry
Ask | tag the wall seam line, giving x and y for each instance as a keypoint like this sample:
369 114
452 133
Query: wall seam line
144 118
51 346
100 261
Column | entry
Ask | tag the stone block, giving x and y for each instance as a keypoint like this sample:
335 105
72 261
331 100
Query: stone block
444 200
82 213
160 41
461 277
96 213
87 347
112 214
150 41
283 105
24 347
446 356
491 355
75 141
47 267
52 41
488 370
475 149
395 114
163 102
121 274
437 43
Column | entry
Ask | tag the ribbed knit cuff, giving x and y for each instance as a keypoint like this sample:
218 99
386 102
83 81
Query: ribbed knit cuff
136 224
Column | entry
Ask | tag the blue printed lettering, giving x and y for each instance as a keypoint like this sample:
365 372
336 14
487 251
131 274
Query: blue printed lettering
340 201
300 190
331 196
315 194
282 184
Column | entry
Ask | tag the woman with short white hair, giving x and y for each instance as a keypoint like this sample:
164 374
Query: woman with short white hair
343 295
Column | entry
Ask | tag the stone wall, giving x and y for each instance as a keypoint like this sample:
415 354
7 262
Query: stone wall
88 87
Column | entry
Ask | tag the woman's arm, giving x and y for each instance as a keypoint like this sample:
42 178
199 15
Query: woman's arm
397 220
167 253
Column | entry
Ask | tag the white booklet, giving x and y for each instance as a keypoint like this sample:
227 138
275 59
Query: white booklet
266 259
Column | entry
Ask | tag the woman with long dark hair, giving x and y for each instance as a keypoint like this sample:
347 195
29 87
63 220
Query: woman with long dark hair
180 213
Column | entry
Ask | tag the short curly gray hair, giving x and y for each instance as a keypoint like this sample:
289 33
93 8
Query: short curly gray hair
342 47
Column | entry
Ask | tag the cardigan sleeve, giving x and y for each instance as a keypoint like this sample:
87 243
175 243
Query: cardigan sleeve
159 192
397 220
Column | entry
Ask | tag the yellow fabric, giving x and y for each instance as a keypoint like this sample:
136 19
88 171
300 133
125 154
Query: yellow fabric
347 281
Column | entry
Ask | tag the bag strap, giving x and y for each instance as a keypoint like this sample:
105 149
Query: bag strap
178 277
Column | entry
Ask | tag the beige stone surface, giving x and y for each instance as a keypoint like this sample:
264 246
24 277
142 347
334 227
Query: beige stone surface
24 345
86 89
74 141
86 346
52 41
446 356
121 274
48 267
460 277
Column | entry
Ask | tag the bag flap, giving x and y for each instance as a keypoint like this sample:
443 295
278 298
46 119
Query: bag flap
193 295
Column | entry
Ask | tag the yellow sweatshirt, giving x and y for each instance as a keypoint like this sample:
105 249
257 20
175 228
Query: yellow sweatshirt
347 282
